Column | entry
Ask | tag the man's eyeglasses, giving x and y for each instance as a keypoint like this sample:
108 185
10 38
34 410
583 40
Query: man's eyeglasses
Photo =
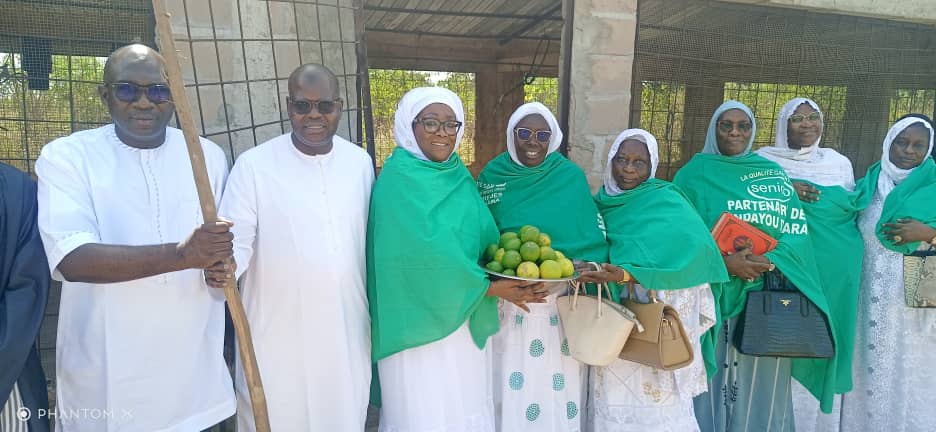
727 126
525 134
813 117
303 107
432 125
129 92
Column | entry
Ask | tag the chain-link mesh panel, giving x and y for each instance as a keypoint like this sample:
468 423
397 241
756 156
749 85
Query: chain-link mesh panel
692 55
51 61
237 56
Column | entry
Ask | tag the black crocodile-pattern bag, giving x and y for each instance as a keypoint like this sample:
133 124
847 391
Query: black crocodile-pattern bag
782 322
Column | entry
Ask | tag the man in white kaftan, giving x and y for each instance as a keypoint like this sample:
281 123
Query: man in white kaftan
299 204
140 335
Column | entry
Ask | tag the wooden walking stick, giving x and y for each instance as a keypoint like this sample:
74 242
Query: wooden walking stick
210 212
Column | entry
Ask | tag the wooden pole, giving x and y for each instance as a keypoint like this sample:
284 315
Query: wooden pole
210 212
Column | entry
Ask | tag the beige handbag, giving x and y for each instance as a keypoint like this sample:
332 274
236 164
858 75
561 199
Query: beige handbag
596 328
920 281
664 343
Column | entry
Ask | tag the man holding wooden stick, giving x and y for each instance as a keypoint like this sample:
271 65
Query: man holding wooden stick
141 330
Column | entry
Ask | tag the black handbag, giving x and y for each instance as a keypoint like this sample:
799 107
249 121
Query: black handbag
782 322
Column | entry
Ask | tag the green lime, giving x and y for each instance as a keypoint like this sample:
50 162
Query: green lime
499 255
512 244
550 269
530 251
544 239
509 272
495 266
511 259
547 253
567 267
490 251
528 269
532 234
505 237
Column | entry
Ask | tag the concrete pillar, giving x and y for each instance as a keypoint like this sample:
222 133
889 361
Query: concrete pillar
492 111
603 43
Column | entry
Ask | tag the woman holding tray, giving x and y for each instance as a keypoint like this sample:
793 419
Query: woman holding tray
538 386
432 306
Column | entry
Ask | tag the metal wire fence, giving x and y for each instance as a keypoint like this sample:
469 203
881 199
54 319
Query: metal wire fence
863 72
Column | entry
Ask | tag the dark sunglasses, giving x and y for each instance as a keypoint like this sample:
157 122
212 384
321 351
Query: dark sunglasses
525 134
432 125
303 107
798 118
129 92
727 126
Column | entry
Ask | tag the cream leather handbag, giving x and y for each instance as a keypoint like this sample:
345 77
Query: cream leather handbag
595 327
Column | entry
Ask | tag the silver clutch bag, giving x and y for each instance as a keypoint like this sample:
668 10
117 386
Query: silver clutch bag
920 281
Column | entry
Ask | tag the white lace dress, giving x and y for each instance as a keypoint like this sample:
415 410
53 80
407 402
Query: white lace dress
895 346
627 396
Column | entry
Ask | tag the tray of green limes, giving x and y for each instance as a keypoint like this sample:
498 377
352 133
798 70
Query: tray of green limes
527 255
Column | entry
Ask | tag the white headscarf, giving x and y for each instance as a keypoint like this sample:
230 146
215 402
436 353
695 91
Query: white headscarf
891 175
823 166
527 109
409 107
611 186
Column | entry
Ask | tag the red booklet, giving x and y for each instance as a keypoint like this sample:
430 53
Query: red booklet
733 234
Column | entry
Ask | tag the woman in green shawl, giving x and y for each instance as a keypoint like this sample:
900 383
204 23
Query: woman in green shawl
825 182
657 239
749 393
537 384
895 345
432 306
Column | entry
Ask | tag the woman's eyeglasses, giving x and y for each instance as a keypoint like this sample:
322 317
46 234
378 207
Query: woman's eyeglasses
813 117
432 125
303 107
525 134
127 92
727 126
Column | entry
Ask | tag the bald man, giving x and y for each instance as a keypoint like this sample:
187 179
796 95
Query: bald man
299 206
140 331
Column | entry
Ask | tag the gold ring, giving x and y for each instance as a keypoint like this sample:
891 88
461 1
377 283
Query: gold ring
898 239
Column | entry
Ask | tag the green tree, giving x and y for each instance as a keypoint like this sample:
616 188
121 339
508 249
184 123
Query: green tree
544 90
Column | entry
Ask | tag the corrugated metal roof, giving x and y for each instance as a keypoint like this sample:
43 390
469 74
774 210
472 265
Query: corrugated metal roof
494 19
